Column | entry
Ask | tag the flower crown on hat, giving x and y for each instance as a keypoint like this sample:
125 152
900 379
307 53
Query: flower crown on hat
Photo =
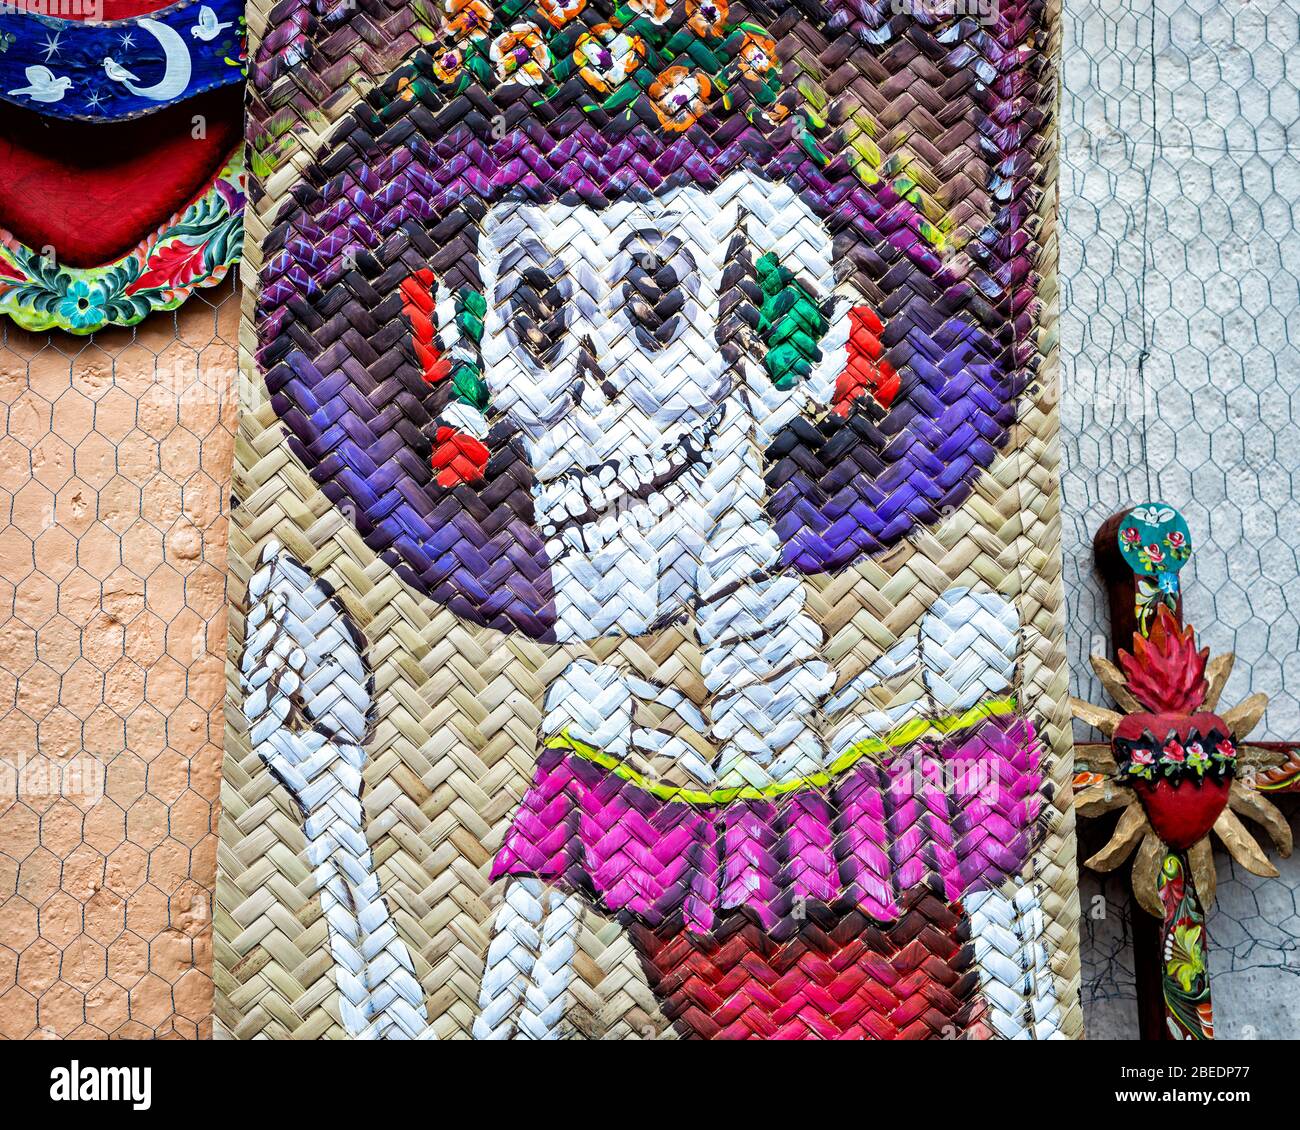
665 66
646 52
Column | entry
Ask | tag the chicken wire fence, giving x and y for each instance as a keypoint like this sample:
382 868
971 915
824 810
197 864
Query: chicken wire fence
1179 311
115 457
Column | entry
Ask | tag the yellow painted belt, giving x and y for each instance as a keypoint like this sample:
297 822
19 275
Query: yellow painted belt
904 735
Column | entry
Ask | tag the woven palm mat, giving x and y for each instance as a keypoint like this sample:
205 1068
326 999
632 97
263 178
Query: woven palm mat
647 612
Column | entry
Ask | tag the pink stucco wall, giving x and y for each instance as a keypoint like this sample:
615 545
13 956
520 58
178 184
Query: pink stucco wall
115 463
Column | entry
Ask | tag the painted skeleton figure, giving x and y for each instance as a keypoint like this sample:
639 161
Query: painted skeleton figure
636 361
645 416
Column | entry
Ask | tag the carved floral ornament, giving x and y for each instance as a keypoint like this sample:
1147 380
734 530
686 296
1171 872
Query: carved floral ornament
1177 769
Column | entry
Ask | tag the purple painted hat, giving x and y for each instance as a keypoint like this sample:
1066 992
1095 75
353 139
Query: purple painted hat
591 103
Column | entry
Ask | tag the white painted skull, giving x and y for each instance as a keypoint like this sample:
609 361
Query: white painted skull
603 344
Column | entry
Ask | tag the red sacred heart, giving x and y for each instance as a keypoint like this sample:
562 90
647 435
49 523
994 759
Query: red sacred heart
1181 813
93 190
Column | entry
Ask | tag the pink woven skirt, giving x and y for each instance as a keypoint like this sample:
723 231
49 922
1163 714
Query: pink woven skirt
960 812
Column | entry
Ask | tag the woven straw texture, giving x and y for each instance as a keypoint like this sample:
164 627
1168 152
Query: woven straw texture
646 510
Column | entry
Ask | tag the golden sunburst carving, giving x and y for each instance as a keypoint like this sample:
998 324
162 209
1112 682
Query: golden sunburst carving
1169 658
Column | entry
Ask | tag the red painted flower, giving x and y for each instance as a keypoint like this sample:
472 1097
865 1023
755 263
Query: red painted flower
1130 535
458 457
1143 756
1173 751
1176 539
417 305
1156 554
1226 750
867 372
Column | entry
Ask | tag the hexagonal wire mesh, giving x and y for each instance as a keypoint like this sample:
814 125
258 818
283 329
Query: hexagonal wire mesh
114 478
1179 270
1179 266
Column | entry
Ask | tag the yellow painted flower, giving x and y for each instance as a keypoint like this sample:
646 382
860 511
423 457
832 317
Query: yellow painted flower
1185 960
560 12
520 55
680 95
757 55
606 56
706 17
448 64
470 19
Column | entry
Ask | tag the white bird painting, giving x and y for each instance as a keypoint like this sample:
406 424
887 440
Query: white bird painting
117 72
207 28
176 66
43 85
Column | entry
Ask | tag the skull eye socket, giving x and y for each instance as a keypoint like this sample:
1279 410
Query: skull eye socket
539 315
658 277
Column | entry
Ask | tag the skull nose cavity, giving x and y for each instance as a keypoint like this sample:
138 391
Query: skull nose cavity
588 371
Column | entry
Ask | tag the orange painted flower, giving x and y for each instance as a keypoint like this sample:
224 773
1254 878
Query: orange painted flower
706 17
520 55
680 96
449 64
606 56
471 19
560 12
757 55
656 11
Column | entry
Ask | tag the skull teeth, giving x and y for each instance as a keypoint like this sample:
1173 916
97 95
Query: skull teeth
592 496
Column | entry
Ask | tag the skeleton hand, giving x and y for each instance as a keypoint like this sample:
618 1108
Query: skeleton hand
307 696
306 687
964 651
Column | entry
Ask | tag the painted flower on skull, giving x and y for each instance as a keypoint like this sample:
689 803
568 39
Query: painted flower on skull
757 55
471 20
560 12
706 17
680 96
520 55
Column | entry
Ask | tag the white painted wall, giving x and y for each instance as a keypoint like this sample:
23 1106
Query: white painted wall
1180 196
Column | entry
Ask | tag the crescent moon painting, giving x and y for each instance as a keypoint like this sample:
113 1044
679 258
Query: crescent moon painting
176 59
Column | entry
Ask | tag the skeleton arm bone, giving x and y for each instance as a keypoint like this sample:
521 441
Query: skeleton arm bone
307 695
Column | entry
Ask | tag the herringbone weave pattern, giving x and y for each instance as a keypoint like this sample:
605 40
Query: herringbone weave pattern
647 612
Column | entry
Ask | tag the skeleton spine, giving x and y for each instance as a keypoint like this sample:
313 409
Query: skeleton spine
760 646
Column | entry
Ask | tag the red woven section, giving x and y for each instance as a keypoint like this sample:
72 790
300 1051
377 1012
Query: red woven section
842 978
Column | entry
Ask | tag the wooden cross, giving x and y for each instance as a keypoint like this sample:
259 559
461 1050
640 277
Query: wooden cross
1172 789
